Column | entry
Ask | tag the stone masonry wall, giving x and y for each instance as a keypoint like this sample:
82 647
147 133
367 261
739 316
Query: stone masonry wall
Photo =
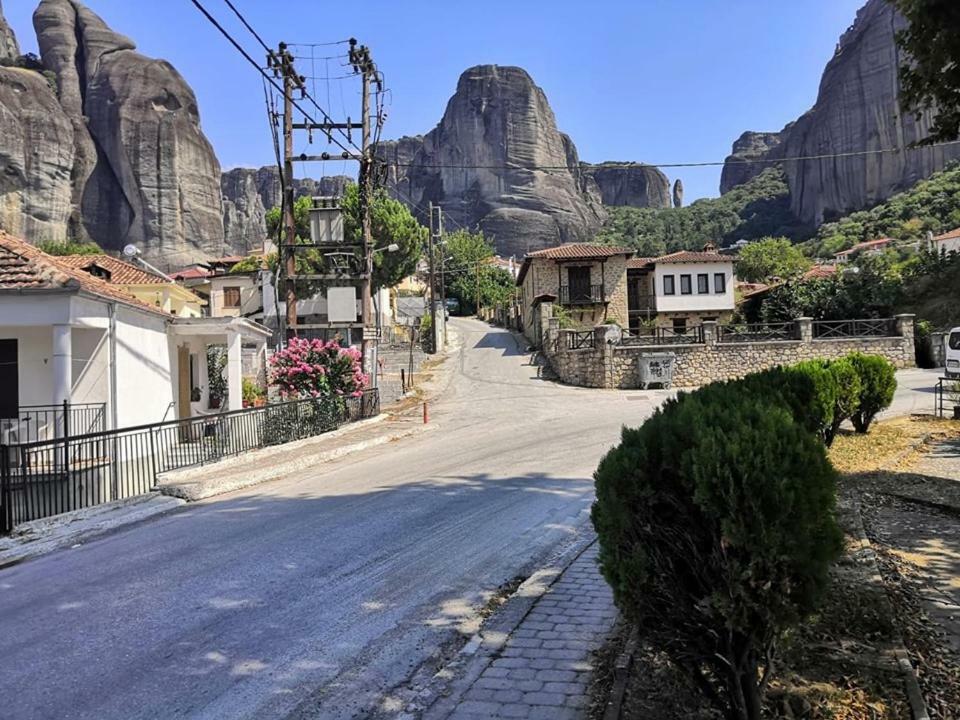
610 365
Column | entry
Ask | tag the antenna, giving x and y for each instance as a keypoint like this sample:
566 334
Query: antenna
130 251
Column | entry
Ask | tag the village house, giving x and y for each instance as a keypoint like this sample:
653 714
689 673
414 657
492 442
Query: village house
589 282
680 290
948 242
870 247
68 336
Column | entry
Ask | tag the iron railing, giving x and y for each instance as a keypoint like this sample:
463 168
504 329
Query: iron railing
879 327
44 422
48 477
581 295
578 339
946 395
664 336
756 332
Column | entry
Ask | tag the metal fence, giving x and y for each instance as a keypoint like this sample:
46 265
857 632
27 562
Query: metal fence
946 396
578 339
868 327
586 295
44 422
665 336
757 332
43 478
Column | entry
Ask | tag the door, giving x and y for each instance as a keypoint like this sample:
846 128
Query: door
579 282
183 382
9 380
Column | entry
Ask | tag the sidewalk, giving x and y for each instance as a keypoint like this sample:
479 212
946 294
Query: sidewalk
543 668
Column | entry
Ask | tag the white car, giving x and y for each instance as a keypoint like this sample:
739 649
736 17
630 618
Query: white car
953 353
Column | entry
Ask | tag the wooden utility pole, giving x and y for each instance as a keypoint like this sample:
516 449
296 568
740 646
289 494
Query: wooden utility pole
433 284
369 344
478 289
289 221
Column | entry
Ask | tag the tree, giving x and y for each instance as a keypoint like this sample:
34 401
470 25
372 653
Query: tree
930 77
771 257
716 522
467 258
391 224
70 247
314 368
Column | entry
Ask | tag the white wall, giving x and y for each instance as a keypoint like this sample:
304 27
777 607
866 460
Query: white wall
34 350
694 301
145 376
250 300
91 365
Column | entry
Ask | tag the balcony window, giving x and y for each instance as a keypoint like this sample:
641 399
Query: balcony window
703 283
686 284
668 287
719 283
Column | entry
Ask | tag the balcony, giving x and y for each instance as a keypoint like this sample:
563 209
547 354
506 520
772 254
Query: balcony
583 295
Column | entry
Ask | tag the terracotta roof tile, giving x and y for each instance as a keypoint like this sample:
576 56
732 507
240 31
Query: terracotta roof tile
579 250
949 235
639 262
820 271
121 273
24 267
687 256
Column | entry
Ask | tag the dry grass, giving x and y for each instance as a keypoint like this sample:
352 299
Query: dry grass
894 444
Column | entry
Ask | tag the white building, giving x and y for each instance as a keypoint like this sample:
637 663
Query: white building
66 335
948 242
680 290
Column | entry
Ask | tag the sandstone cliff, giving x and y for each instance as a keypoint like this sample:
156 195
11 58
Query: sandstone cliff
632 184
856 110
9 50
749 146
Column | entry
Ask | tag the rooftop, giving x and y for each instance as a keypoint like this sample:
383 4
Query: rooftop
879 242
120 272
949 235
579 250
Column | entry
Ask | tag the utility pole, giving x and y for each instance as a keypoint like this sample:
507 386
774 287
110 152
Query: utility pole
478 288
433 283
443 276
289 222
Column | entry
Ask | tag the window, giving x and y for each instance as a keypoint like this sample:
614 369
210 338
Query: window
680 325
686 284
231 297
719 283
703 283
668 288
954 341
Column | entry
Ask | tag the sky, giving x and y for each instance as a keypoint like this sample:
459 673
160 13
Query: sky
656 81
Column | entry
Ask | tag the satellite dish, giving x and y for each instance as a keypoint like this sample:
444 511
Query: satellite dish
130 251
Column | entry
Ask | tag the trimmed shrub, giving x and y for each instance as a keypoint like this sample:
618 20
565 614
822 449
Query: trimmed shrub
815 406
878 383
716 527
846 381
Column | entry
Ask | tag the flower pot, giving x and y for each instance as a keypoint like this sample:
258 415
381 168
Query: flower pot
215 403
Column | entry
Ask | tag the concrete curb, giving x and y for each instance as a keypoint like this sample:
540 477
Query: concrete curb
200 483
866 553
621 675
458 676
48 534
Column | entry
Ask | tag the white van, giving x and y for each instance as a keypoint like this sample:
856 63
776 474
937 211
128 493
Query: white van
953 353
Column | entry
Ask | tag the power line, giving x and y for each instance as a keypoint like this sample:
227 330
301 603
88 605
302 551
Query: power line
247 25
731 161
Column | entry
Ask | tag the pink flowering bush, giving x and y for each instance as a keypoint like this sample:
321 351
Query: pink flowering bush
314 368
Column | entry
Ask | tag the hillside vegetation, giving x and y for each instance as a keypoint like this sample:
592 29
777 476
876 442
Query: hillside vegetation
758 208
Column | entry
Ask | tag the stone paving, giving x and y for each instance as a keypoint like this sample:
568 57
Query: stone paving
544 668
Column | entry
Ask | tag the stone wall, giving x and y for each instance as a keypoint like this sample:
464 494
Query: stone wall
613 365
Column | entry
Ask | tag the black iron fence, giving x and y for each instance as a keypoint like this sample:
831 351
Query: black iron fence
44 422
577 339
757 332
878 327
664 336
48 477
946 396
586 295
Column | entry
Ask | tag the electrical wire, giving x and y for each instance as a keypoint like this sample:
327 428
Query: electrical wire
247 25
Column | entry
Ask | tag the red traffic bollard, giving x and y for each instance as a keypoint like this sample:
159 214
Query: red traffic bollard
426 415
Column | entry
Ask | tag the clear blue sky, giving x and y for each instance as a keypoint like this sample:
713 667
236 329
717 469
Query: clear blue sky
644 80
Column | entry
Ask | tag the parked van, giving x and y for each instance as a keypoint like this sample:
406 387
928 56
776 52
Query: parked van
953 353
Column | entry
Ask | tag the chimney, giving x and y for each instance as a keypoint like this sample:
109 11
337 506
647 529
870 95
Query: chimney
710 248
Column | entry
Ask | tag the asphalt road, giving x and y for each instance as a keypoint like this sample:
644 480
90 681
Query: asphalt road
312 596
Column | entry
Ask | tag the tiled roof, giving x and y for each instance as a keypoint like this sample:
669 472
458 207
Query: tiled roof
949 235
864 245
687 256
638 263
574 251
190 273
24 267
121 273
820 271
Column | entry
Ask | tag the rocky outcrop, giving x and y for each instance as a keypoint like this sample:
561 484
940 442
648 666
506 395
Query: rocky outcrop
678 193
498 162
737 167
249 192
631 184
36 158
143 171
9 50
857 113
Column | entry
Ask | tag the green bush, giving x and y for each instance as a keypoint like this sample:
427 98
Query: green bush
819 404
846 381
878 383
716 527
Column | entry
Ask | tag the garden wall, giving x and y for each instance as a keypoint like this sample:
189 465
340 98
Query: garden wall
606 364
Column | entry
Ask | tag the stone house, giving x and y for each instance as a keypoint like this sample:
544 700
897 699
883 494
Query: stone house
680 290
588 281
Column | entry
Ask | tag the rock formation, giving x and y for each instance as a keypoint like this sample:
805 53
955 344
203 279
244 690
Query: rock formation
678 193
857 110
749 146
632 184
249 192
9 50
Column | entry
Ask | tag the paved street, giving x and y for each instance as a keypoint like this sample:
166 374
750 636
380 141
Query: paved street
311 596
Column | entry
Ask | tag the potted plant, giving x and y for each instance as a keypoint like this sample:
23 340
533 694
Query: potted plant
216 363
253 394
